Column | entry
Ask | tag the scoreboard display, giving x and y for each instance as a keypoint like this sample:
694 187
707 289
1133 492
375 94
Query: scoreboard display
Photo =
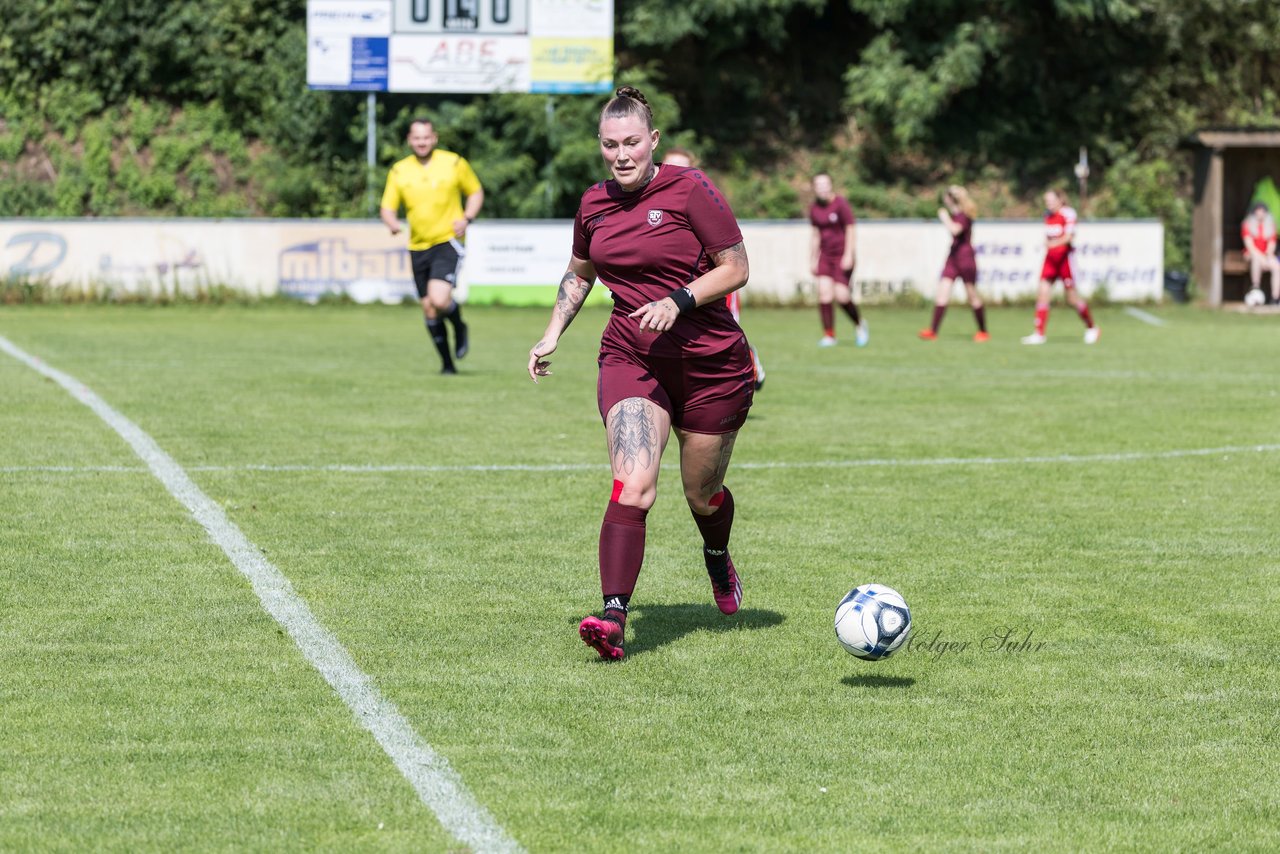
462 46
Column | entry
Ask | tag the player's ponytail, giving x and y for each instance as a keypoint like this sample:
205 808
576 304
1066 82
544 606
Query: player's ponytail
628 101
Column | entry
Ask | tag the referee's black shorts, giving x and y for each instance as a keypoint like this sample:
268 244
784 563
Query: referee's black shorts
442 261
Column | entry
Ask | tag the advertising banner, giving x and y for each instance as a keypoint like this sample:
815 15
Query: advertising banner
518 262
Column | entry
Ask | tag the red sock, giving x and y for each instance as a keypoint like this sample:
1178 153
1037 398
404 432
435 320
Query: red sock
621 551
828 314
1083 308
938 311
1042 317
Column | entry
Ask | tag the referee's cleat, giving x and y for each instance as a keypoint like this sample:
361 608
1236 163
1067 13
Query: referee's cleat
449 370
604 636
461 344
726 588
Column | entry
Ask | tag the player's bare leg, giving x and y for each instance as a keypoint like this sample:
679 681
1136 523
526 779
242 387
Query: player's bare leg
1255 270
826 311
704 459
636 431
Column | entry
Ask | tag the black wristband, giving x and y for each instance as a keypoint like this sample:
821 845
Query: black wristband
684 300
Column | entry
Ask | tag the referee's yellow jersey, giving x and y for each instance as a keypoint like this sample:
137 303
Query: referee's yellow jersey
431 195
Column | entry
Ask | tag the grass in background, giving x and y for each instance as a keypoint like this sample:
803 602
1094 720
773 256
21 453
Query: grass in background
150 703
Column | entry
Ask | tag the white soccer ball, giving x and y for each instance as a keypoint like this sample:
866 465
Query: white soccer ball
1255 297
873 622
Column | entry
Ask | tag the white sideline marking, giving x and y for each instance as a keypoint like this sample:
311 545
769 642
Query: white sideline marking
1145 316
1131 456
438 785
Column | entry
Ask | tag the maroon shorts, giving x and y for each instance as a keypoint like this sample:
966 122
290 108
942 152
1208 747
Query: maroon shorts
828 266
1058 267
964 269
704 394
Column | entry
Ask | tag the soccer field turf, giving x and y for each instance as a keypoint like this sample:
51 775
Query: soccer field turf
1110 510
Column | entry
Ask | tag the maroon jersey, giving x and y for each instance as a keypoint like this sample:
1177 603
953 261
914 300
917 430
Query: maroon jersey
962 243
646 244
831 220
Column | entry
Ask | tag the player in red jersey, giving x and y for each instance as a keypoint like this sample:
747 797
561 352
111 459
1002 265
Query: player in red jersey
957 215
832 259
1258 231
671 355
1060 231
683 157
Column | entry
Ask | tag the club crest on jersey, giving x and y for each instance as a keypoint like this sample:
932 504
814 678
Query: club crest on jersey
831 217
655 218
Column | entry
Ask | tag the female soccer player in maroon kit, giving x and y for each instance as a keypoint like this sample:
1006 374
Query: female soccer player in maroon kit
832 259
957 215
671 355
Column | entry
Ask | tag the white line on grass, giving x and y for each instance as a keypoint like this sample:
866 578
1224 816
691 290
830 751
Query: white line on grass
1145 316
437 783
1066 459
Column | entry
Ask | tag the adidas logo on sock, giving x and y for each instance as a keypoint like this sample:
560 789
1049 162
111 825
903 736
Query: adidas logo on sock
615 604
716 552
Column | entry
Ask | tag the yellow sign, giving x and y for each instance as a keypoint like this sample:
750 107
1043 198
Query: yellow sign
572 64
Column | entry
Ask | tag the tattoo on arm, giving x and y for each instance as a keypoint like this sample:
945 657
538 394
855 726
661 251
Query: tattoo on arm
633 437
735 253
570 297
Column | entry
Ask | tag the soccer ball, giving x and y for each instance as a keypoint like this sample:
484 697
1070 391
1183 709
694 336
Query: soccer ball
873 622
1255 297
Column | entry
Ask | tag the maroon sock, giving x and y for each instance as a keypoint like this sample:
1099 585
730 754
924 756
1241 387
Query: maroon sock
715 530
828 314
980 315
851 310
938 311
621 553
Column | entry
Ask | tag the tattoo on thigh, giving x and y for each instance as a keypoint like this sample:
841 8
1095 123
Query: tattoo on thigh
715 480
633 436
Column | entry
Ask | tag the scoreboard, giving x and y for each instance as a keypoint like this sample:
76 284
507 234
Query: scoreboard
460 46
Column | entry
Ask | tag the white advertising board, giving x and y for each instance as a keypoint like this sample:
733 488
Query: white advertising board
521 262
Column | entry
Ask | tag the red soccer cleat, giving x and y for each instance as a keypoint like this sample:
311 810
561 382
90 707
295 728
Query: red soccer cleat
981 337
604 636
927 335
728 595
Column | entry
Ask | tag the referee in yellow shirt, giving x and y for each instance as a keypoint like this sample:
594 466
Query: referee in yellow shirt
432 184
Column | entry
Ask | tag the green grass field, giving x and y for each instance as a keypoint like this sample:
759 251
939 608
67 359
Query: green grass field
1067 492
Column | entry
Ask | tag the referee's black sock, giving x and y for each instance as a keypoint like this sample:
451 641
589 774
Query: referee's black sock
461 343
440 337
454 314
